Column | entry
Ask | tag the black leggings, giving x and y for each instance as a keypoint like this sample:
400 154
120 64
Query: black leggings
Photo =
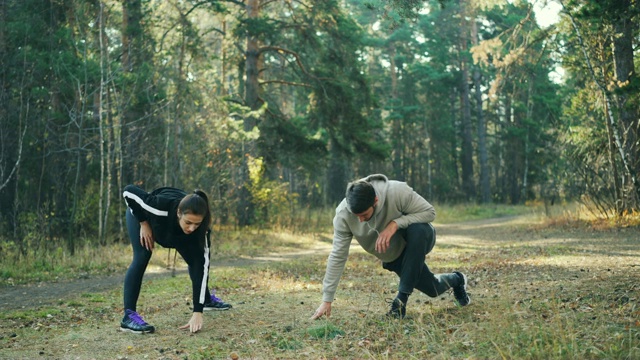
141 256
411 267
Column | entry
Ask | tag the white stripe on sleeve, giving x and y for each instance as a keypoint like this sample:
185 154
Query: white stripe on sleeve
140 202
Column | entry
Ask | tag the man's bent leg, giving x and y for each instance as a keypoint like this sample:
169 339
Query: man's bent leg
434 285
420 240
412 269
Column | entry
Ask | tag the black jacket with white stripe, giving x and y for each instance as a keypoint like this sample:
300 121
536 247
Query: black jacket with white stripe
160 209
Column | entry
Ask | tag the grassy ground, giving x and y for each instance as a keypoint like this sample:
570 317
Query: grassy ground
539 291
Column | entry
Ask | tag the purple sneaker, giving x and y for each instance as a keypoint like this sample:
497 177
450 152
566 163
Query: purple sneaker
216 304
132 322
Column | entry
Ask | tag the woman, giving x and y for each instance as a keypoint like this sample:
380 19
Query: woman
176 220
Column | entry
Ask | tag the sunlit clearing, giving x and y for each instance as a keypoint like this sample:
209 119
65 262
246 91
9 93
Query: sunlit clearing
578 261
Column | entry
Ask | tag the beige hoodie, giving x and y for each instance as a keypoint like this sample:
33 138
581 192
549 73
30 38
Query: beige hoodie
396 202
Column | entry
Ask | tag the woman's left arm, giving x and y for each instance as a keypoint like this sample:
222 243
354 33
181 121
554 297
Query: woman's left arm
195 324
199 271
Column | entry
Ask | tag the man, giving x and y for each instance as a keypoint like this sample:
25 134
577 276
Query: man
392 222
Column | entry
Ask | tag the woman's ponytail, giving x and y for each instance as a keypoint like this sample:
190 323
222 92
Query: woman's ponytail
207 215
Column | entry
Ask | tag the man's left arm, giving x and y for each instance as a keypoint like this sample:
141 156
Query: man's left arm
414 208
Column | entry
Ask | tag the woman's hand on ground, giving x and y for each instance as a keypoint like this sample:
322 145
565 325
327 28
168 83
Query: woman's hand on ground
195 324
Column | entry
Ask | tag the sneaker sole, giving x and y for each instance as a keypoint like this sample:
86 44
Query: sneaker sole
216 309
134 331
467 304
464 277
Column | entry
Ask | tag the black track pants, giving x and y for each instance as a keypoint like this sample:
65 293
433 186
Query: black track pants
411 267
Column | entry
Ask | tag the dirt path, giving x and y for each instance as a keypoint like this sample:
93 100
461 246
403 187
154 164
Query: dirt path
46 293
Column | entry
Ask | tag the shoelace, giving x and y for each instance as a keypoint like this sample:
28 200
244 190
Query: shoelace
214 298
136 318
460 292
397 308
394 304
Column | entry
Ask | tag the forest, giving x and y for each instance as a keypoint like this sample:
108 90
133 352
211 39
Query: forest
272 106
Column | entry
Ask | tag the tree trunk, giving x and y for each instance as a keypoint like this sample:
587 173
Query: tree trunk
507 150
428 162
336 176
222 89
174 162
245 204
468 185
136 92
81 103
485 186
396 121
515 152
4 96
454 139
614 168
525 152
99 108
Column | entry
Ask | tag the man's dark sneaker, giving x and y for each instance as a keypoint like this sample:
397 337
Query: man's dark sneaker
398 309
216 304
132 322
460 291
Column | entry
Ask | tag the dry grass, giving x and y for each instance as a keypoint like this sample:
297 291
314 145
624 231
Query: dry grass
539 291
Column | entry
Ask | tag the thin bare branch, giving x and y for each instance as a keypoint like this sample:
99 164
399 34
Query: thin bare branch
285 83
17 163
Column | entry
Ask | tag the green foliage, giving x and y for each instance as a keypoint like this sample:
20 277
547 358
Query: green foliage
260 28
340 103
283 342
324 330
591 143
270 197
87 210
21 264
398 11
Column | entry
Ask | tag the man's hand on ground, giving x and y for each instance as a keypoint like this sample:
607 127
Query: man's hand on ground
323 309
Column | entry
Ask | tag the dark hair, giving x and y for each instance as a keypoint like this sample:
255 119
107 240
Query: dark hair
197 203
360 196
